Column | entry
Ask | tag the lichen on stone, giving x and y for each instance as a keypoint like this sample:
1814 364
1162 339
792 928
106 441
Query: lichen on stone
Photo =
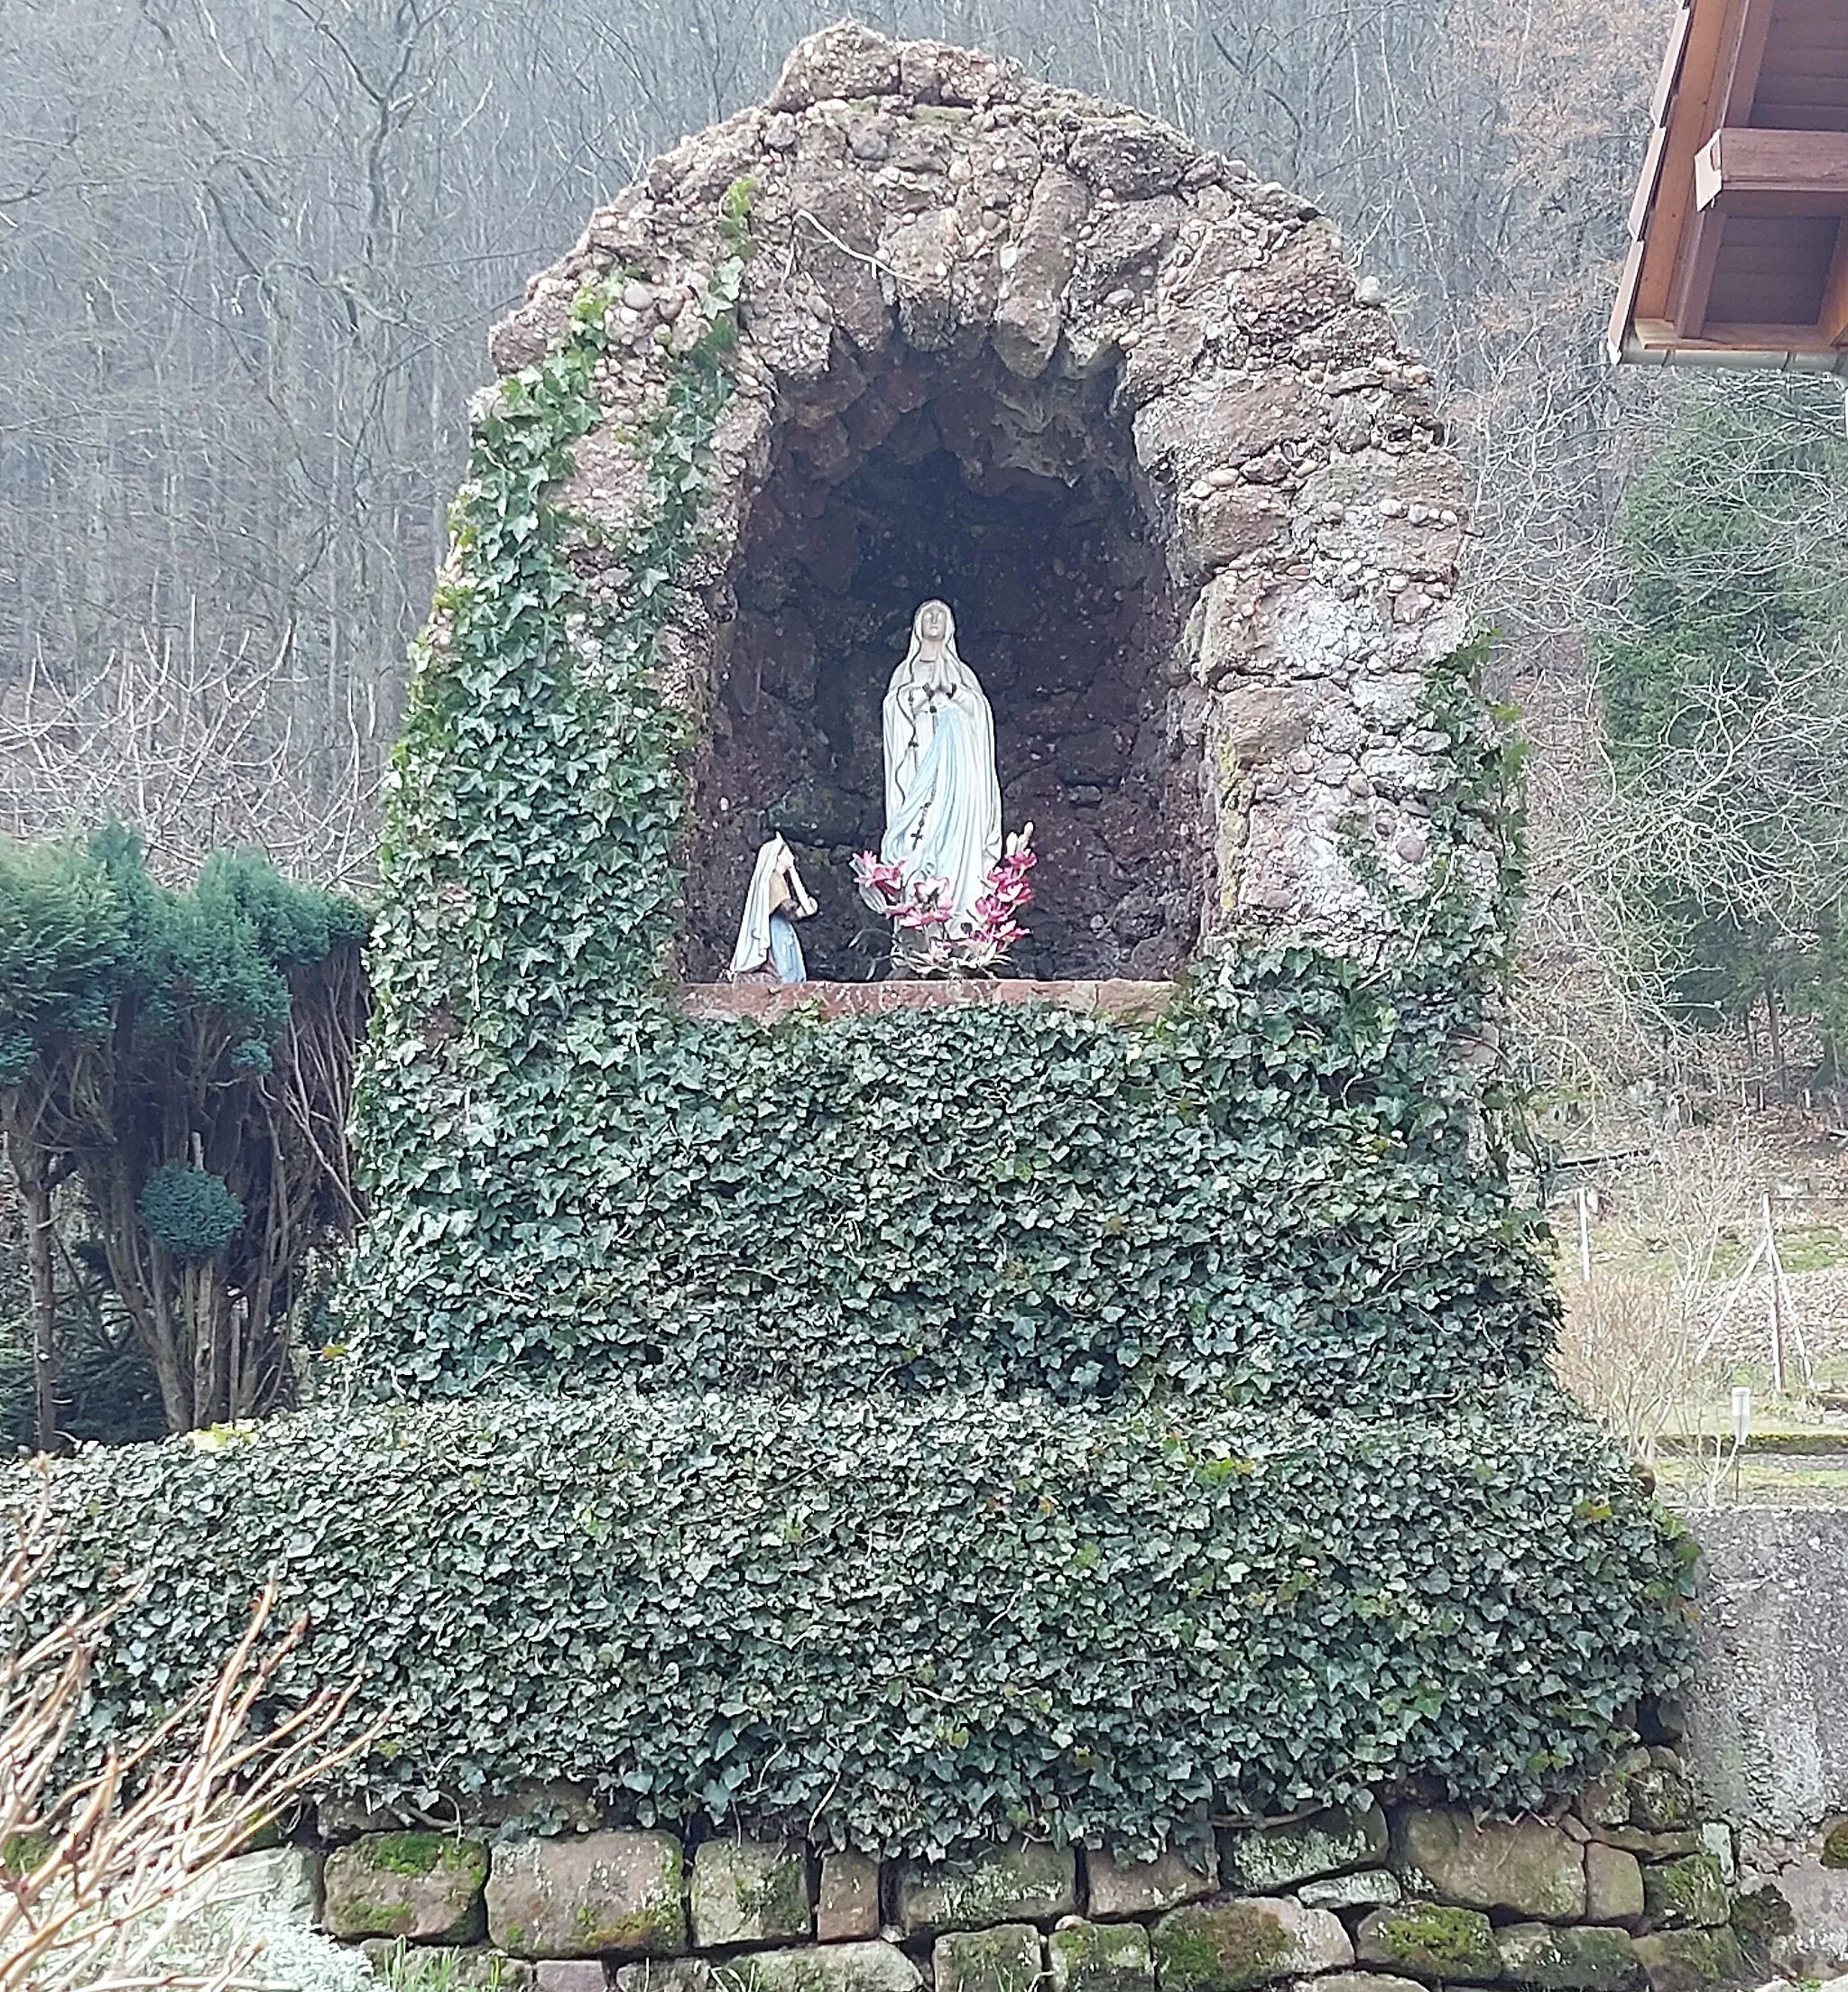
1005 1958
1661 1800
1220 1948
1688 1960
1691 1890
1430 1940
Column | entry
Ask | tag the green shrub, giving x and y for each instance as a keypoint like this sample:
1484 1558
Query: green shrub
182 1058
190 1212
915 1622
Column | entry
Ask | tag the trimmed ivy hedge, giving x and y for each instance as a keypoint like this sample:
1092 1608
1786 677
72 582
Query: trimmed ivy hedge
912 1625
1275 1190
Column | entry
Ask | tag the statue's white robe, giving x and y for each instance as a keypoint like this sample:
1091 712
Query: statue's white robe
942 794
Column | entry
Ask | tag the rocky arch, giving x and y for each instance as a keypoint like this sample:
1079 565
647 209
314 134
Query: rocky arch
1044 355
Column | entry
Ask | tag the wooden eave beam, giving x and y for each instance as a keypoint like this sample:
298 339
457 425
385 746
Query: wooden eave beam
1740 161
1687 120
1658 334
1833 324
1649 185
1739 57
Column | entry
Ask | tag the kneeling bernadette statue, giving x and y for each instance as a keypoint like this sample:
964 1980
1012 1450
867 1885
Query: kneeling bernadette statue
768 945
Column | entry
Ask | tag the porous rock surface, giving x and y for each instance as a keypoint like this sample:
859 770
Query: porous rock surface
601 1893
1525 1866
1125 403
1768 1718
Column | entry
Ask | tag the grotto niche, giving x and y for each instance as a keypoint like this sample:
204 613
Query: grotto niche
1015 501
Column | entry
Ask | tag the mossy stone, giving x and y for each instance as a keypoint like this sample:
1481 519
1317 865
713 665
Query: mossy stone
1689 1961
1834 1848
1758 1918
1256 1859
425 1885
1226 1946
415 1853
610 1893
1604 1800
1429 1940
1661 1800
846 1905
1100 1956
1632 1840
1527 1867
1121 1885
1560 1958
749 1891
1363 1981
1028 1882
1371 1888
1259 1860
822 1968
1691 1890
465 1970
666 1975
1216 1949
1004 1959
1613 1886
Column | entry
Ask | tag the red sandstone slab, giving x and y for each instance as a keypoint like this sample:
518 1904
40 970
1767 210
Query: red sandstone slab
1128 1002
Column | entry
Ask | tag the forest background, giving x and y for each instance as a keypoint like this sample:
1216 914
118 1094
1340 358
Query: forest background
249 254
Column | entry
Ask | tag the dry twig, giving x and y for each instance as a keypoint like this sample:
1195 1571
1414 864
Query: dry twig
99 1875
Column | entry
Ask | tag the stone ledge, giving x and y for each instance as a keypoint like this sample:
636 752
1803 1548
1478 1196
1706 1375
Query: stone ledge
1128 1002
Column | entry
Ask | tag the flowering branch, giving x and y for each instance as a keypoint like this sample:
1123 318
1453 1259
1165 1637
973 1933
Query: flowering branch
923 941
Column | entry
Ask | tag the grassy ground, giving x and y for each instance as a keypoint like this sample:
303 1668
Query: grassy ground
1677 1312
1697 1483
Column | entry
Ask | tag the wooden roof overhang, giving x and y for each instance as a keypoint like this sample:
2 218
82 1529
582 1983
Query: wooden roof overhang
1739 230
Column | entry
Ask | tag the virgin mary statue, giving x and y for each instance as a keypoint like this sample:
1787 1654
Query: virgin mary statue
942 797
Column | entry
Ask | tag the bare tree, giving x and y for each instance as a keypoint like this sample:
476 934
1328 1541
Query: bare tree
187 745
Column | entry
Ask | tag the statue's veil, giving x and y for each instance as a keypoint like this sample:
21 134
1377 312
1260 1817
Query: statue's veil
753 928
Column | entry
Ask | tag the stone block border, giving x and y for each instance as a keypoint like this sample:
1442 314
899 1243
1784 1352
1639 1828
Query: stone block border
1625 1891
1128 1002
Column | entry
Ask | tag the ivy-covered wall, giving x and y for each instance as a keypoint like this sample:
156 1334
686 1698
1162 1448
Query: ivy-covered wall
1288 1184
916 1626
1279 1188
